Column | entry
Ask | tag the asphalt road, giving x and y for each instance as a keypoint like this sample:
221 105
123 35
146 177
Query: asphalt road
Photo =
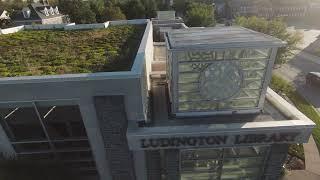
296 70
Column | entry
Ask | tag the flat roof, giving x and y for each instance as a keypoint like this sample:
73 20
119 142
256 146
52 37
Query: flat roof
220 37
161 116
48 52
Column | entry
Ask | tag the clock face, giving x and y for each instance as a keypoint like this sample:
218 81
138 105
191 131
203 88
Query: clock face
221 80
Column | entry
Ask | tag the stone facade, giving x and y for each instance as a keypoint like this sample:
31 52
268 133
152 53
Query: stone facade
113 123
172 164
55 20
275 161
153 160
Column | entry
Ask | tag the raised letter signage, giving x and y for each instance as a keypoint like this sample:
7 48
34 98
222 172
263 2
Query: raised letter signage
207 141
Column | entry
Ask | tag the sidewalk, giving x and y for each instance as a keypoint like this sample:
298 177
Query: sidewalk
312 158
312 162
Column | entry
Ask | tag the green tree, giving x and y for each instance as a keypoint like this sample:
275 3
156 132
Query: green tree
6 23
199 14
98 7
276 28
79 11
134 9
150 7
113 13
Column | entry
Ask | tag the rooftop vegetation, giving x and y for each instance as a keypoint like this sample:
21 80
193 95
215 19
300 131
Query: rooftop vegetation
46 52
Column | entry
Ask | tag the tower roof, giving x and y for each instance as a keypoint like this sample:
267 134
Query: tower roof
220 37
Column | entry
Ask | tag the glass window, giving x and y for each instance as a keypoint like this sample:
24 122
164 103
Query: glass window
228 163
243 163
48 130
219 55
197 105
37 156
21 122
80 155
262 53
71 145
189 87
232 54
189 77
32 147
62 121
222 85
200 164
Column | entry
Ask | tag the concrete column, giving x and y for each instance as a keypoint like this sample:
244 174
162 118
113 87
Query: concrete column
113 122
275 161
90 121
134 107
153 160
139 158
172 157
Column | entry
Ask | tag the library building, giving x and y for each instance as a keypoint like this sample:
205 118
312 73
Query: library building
191 104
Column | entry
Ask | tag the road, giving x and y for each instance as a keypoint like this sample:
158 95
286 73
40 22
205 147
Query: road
296 70
303 62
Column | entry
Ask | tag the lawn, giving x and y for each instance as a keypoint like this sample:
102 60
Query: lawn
283 87
45 52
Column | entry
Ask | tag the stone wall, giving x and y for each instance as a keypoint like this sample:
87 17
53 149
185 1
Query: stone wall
172 164
113 123
275 161
153 161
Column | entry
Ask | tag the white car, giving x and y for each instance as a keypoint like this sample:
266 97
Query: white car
313 79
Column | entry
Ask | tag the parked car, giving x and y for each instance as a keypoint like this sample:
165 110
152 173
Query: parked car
313 79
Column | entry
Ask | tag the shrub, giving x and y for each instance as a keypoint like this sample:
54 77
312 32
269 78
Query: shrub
59 52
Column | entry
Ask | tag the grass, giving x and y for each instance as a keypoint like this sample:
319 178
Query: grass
283 87
46 52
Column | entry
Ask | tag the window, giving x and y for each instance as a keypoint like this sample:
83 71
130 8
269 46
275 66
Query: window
221 79
46 12
228 163
62 121
51 11
22 123
56 10
48 130
26 14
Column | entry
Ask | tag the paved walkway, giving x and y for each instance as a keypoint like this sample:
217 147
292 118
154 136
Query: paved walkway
312 158
312 162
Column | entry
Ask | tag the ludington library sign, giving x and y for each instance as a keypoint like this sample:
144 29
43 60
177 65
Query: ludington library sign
205 141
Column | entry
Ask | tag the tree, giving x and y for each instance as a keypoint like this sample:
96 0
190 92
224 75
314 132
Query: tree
199 14
150 7
113 13
134 9
276 28
180 6
6 23
79 11
98 7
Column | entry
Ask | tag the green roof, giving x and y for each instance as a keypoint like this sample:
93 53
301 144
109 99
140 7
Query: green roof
46 52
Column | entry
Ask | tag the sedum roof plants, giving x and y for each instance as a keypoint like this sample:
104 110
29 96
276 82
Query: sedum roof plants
46 52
